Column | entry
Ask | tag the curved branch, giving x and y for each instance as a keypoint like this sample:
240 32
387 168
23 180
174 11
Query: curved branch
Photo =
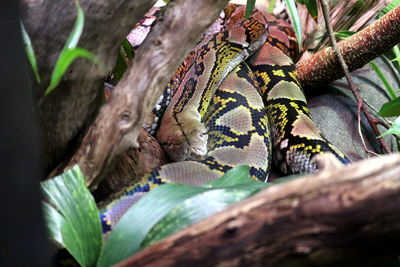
358 50
329 217
120 120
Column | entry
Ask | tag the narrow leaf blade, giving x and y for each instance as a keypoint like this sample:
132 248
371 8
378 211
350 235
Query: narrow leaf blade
76 32
65 59
249 8
294 17
30 53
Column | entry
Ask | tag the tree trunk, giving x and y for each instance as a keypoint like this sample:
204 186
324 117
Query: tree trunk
347 215
66 112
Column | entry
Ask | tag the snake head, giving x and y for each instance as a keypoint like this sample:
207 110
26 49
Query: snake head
183 140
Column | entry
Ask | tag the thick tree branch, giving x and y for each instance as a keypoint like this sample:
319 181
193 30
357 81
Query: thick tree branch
120 120
65 113
358 50
329 217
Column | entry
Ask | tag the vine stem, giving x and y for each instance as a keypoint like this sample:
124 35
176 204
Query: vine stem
360 101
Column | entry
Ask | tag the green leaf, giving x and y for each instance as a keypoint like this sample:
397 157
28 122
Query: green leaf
125 57
193 210
271 5
396 52
237 175
249 8
129 233
294 17
312 7
75 35
73 218
394 129
385 82
30 53
390 109
392 5
70 52
344 34
65 59
54 222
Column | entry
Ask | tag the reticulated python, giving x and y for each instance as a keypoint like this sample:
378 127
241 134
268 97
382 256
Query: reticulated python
237 85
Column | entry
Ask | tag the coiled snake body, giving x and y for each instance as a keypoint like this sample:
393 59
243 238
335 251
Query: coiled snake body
233 98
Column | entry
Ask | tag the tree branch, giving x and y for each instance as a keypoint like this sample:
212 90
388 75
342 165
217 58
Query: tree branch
330 217
357 50
120 120
67 111
360 101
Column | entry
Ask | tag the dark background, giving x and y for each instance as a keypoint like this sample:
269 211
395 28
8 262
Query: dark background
22 238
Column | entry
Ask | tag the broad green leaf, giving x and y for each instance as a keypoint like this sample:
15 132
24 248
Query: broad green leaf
294 17
54 222
75 35
394 129
65 59
390 109
312 7
30 53
385 82
193 210
129 233
80 227
344 34
249 8
202 205
237 175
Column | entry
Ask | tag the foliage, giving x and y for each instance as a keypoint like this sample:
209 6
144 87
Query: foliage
312 7
30 53
73 219
294 17
68 54
72 216
124 59
70 51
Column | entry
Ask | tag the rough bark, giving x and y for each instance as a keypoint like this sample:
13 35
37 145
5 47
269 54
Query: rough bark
65 113
133 164
347 215
358 50
119 121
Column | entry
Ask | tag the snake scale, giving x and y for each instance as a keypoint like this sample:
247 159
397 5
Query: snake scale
235 100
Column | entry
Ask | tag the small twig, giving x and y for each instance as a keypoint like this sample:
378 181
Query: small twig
360 101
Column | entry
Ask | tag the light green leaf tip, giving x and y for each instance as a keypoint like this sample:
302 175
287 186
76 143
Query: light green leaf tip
70 52
30 53
294 17
394 129
65 59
